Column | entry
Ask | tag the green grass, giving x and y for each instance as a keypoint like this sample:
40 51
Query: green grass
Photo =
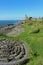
34 42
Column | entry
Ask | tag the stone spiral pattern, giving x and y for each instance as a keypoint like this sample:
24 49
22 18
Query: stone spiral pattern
12 52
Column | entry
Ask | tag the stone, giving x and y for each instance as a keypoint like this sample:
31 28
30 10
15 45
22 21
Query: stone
12 51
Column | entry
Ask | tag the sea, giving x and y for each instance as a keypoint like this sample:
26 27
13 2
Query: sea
5 22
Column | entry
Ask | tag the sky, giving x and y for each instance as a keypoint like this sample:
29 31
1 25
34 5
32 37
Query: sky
17 9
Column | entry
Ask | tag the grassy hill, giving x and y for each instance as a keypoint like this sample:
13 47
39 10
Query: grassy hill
33 39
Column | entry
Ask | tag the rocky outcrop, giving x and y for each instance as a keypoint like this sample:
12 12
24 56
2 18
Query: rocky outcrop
11 30
5 29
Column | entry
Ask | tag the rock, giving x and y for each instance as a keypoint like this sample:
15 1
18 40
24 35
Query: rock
36 31
11 30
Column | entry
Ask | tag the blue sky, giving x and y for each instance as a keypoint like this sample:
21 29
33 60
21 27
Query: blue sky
16 9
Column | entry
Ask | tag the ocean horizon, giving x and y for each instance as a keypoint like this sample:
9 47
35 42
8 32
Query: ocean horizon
5 22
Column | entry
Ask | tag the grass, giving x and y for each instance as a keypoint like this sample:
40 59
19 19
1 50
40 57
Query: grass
34 41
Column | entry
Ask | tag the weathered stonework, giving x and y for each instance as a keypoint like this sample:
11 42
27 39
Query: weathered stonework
12 52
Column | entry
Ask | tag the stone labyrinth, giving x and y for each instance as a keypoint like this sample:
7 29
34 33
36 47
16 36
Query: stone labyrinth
12 52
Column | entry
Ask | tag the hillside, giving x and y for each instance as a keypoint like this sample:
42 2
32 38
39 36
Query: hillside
33 36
